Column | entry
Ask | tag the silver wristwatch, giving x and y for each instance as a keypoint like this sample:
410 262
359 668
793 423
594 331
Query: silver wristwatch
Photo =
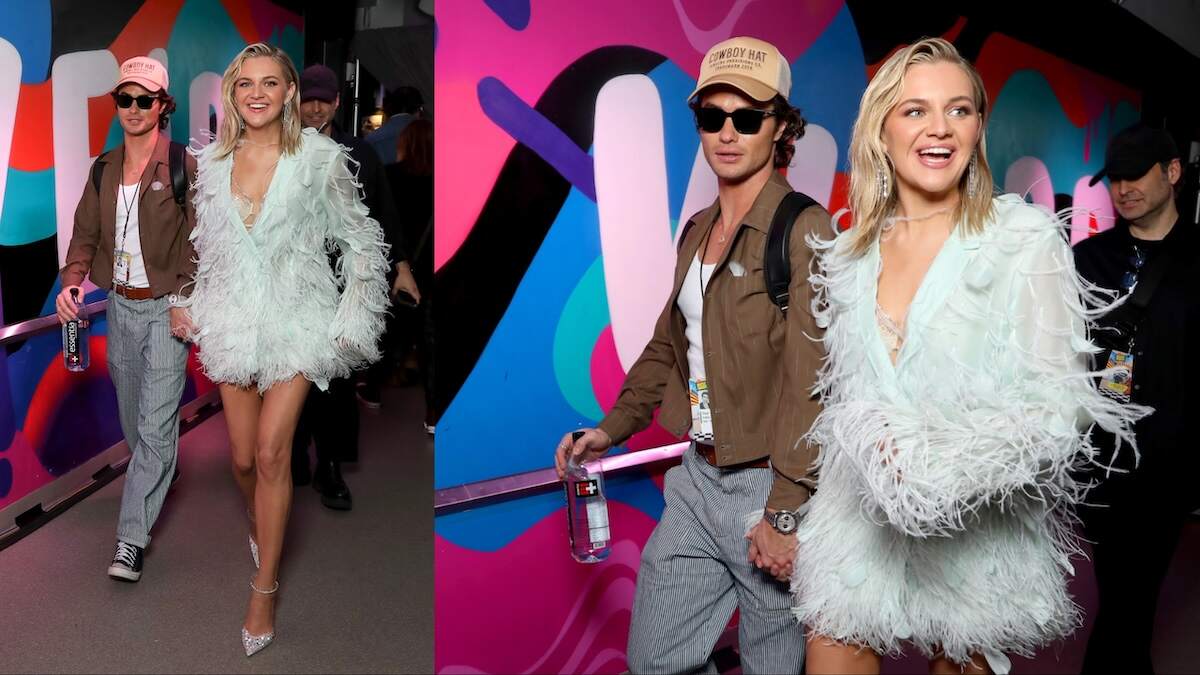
784 522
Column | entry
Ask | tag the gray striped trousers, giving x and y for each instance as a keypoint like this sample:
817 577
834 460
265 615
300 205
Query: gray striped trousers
148 369
695 571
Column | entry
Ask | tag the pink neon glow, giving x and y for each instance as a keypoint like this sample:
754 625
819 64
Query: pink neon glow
583 610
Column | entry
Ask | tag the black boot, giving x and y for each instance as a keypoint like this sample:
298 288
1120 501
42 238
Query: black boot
327 480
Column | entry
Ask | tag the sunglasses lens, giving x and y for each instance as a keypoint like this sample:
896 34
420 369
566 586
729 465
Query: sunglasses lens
748 121
124 100
144 102
1128 281
710 120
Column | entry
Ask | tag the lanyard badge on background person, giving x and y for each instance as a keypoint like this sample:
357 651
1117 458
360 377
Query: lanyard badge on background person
121 257
1118 382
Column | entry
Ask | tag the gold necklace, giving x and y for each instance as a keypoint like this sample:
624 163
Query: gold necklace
247 141
722 234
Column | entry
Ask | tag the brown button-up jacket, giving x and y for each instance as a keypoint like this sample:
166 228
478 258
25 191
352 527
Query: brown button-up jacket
163 225
760 366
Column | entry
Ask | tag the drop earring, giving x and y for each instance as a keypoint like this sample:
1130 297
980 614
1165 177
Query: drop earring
883 184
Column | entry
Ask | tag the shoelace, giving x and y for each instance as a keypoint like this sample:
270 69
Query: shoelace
126 554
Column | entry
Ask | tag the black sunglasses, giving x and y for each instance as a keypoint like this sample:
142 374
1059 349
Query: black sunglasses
1136 260
125 100
747 121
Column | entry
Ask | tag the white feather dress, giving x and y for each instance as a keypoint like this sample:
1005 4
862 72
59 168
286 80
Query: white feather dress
266 303
943 516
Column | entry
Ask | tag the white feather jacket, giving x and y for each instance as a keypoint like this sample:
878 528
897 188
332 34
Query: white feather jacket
266 303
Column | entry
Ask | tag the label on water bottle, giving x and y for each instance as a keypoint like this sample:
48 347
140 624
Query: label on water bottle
597 511
72 338
587 488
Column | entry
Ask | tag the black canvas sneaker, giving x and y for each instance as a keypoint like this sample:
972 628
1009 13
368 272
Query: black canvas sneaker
127 563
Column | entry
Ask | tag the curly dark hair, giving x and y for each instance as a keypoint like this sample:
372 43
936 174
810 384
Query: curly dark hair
168 106
793 130
793 127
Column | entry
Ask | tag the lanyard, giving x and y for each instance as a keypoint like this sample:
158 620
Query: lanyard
128 211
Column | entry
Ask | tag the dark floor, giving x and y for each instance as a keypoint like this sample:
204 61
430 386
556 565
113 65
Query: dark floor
356 588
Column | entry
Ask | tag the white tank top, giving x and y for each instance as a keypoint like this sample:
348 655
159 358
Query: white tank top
128 238
692 306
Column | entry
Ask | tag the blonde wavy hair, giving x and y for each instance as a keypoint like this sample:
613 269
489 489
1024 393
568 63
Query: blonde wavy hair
232 125
868 154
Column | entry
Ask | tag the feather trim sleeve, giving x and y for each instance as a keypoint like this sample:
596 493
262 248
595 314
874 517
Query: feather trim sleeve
361 270
1017 429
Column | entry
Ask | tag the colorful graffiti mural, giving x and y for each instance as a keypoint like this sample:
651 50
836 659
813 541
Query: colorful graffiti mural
566 161
57 65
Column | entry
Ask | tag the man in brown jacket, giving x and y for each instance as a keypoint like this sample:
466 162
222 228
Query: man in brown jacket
131 236
733 371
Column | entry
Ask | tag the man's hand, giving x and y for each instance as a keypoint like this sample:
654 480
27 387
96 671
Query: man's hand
65 307
771 551
405 282
181 323
594 443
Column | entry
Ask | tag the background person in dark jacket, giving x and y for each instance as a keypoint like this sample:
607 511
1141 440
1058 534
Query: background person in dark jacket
330 418
1140 512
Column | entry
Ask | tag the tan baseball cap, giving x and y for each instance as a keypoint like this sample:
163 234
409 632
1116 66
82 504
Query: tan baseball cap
145 71
754 67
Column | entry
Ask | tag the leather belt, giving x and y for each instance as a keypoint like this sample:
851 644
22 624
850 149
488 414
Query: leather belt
709 453
133 293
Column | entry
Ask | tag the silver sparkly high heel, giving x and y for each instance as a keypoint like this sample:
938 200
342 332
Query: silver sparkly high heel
256 643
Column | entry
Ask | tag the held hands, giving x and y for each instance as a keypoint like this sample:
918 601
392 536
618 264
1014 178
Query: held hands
181 324
771 551
65 307
594 443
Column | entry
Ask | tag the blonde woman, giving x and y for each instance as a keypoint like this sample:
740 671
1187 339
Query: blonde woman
956 396
268 312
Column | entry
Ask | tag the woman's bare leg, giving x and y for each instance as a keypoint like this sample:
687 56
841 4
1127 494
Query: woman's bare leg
824 656
943 666
281 405
241 407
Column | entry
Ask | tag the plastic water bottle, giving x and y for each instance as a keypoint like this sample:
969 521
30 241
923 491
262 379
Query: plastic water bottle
75 338
587 511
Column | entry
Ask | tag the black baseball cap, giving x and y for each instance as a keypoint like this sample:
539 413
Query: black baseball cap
1133 150
318 82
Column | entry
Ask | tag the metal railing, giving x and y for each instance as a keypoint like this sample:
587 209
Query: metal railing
43 324
39 511
469 495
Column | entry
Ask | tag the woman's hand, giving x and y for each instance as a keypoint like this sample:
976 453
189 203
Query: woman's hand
181 324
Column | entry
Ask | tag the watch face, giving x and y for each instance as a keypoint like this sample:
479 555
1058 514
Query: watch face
785 522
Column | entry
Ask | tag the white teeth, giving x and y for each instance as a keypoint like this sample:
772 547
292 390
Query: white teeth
941 152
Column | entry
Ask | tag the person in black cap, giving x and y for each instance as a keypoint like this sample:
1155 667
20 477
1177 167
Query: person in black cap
1139 508
330 418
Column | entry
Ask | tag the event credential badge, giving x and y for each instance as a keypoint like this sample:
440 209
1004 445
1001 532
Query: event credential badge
1117 383
702 428
121 261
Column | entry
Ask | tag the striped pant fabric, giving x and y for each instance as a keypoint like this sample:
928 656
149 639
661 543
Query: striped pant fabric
694 572
148 369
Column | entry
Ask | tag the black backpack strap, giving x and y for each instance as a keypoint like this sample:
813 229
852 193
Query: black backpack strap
777 266
178 172
97 172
